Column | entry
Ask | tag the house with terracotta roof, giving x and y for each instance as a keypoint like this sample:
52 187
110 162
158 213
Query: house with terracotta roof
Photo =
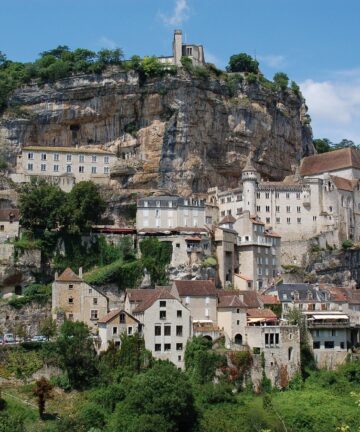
75 300
166 322
114 324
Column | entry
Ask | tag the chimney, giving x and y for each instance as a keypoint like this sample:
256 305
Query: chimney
80 272
56 275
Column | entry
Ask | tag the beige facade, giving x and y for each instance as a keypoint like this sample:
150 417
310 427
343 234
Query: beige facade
9 224
225 243
169 212
77 300
64 166
180 49
113 325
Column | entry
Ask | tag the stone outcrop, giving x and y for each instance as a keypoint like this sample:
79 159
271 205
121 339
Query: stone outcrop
174 133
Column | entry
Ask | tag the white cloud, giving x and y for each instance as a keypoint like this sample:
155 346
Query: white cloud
106 42
334 106
272 60
179 15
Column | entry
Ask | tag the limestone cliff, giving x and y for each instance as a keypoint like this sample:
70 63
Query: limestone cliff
175 133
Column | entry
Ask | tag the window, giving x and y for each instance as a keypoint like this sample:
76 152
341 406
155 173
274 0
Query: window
106 170
70 300
330 209
222 200
68 158
56 168
30 167
106 159
68 168
316 344
277 220
179 313
237 322
95 301
162 303
2 227
157 330
30 155
223 213
314 218
122 318
267 195
298 209
130 330
167 330
163 315
43 156
267 220
258 208
157 347
93 158
228 199
267 209
81 158
287 195
43 167
179 347
94 315
287 209
90 290
179 330
114 330
189 51
71 287
93 170
298 195
299 220
329 344
239 197
277 195
288 220
81 169
333 332
167 347
71 317
229 212
277 209
342 345
56 157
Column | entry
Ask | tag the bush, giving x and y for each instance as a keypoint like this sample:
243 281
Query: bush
209 262
281 80
347 244
242 63
251 78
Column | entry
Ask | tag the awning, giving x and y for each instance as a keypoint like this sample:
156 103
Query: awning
194 239
331 317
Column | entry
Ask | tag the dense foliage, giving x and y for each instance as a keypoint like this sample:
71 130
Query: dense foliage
324 145
243 63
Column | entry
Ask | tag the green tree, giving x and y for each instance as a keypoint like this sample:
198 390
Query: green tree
47 327
43 392
323 145
159 400
84 207
76 353
242 62
151 67
40 206
110 56
295 88
281 80
132 353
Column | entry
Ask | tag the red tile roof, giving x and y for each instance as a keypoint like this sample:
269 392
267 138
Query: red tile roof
331 161
157 294
69 276
269 299
242 276
250 298
343 183
195 288
230 301
228 219
261 313
112 314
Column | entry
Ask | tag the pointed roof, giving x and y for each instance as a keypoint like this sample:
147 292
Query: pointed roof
343 183
195 288
228 219
114 313
69 276
249 165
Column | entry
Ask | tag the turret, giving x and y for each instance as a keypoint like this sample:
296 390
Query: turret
250 178
177 47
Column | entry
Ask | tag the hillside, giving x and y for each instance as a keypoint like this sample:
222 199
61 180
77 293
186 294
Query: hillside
179 132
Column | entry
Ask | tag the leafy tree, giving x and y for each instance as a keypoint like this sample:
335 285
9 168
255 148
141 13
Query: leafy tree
187 63
323 145
76 353
110 56
281 80
295 88
56 52
159 400
43 392
132 353
151 67
2 59
84 206
156 255
242 63
41 205
345 143
47 327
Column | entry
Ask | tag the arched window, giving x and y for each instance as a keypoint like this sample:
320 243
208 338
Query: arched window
238 339
290 354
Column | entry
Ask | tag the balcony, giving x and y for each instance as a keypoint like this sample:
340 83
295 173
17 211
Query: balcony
328 324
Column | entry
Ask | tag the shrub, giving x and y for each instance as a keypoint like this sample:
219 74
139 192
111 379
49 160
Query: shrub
209 262
347 244
201 72
242 63
187 63
281 80
295 88
251 78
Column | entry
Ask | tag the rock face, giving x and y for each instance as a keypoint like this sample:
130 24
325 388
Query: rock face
174 133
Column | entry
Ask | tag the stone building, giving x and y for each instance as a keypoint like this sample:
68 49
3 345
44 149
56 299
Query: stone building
166 322
9 223
76 300
180 49
63 166
113 325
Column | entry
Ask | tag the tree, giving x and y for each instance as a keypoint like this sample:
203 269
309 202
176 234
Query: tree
3 60
281 80
84 207
242 63
110 56
133 354
323 145
41 205
151 66
295 88
76 353
159 400
43 392
47 328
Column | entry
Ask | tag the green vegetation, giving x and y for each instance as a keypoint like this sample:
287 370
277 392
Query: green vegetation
347 244
281 80
242 63
324 145
37 293
209 261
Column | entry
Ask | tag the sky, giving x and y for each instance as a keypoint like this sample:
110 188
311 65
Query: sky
314 41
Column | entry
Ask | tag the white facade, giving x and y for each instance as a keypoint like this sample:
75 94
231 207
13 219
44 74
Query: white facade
64 166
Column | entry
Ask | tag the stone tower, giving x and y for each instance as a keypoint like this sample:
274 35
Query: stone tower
250 178
177 47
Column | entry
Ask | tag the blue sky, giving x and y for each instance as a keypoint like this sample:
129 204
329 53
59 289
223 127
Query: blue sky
314 42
